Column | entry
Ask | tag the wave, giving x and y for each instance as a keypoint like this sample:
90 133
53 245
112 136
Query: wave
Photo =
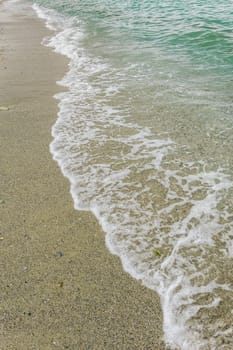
168 218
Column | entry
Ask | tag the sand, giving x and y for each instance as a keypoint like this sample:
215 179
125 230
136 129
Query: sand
60 287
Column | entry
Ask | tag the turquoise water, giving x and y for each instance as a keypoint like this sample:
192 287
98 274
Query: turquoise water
144 134
199 30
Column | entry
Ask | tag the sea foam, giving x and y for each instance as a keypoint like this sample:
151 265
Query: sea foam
166 218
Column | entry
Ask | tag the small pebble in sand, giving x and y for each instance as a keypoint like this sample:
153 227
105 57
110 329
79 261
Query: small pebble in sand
4 108
157 252
60 284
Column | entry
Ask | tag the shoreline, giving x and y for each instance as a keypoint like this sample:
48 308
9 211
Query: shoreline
60 287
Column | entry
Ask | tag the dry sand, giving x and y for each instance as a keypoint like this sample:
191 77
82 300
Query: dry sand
60 287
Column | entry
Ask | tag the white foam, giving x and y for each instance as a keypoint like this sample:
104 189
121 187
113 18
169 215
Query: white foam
163 234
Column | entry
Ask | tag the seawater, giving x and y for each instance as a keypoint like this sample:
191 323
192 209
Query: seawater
144 134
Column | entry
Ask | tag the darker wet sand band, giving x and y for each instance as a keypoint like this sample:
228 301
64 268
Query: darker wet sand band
60 287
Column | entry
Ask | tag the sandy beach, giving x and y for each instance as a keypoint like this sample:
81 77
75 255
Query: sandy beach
60 287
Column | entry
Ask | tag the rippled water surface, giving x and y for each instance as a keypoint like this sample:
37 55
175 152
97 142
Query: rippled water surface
144 134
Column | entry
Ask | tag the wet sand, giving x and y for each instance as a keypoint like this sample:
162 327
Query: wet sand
60 287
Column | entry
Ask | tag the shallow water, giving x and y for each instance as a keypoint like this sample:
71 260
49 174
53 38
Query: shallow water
144 134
